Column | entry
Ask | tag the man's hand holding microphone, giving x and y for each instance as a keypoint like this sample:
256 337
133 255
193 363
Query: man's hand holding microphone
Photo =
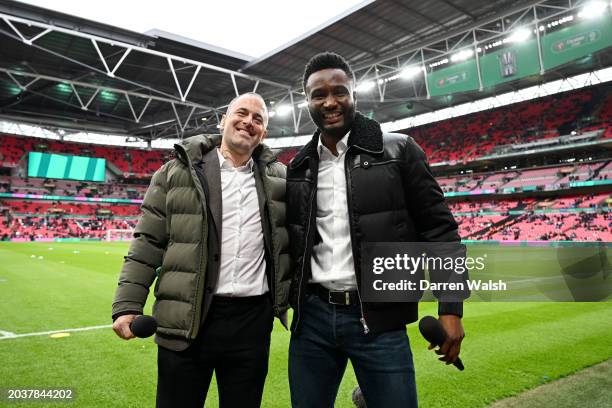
131 325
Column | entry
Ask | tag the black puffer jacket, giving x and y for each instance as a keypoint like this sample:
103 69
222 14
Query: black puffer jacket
392 197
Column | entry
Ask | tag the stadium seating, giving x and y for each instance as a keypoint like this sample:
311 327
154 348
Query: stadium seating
34 207
467 137
559 223
20 185
45 228
575 217
552 176
482 220
39 220
453 140
126 160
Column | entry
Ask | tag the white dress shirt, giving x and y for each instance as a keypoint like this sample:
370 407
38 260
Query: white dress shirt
242 271
332 258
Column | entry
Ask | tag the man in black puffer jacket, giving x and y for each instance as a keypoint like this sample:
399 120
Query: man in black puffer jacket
349 185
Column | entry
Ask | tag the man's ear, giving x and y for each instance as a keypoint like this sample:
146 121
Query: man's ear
263 136
222 123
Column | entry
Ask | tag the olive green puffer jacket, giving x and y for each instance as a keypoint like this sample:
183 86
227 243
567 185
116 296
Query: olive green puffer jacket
170 241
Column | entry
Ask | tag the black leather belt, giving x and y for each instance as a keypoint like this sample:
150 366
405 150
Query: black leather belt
334 297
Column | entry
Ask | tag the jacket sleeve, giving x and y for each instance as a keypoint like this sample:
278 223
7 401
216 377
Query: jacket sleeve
146 249
433 219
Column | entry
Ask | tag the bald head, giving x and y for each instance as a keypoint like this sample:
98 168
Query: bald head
243 126
249 95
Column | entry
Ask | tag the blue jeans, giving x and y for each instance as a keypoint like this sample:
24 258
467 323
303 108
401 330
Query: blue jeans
329 336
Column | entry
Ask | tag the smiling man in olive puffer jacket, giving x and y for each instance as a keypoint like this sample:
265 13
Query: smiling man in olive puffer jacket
212 231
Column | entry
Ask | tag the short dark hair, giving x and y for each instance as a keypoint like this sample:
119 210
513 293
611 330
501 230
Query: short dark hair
326 60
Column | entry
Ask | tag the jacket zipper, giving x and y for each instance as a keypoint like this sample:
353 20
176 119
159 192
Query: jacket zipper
273 272
347 172
312 195
195 324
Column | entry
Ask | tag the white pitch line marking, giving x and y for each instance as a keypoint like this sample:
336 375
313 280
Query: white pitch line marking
7 333
14 336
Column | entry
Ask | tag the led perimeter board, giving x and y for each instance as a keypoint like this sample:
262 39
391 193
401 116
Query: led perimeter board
59 166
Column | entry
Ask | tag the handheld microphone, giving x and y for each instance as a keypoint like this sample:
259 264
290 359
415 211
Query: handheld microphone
143 326
433 332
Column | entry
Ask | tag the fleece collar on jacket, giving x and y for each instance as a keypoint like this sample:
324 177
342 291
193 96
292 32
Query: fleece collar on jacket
194 148
365 135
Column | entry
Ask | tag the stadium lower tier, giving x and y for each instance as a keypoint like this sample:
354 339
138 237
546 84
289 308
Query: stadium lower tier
26 207
574 218
48 227
573 202
569 218
538 227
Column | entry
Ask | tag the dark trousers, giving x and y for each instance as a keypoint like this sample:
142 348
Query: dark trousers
234 343
331 335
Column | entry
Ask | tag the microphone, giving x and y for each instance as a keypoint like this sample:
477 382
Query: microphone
433 332
143 326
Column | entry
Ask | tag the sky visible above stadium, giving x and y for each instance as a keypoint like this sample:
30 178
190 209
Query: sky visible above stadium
252 28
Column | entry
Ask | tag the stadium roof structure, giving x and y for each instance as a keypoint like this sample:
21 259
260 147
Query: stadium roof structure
62 71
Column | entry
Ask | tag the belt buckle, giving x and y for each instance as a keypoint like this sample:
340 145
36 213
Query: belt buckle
347 298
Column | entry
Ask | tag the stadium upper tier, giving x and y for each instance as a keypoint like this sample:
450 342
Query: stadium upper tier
467 137
129 161
459 139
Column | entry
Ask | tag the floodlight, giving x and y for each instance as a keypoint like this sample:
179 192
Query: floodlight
462 55
283 110
520 35
410 72
593 9
64 88
365 86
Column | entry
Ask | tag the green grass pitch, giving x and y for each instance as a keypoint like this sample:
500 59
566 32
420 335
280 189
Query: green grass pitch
509 347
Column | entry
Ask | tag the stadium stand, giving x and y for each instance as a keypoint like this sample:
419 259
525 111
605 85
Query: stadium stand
556 219
126 160
468 137
565 118
22 185
48 228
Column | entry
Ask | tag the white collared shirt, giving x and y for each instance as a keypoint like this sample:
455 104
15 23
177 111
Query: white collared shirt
332 258
242 271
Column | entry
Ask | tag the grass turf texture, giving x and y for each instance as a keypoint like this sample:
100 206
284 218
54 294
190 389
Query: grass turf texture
588 388
509 347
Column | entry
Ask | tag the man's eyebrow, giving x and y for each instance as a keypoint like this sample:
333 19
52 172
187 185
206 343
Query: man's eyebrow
332 86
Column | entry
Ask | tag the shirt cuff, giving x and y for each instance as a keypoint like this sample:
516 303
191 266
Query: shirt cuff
450 308
125 312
